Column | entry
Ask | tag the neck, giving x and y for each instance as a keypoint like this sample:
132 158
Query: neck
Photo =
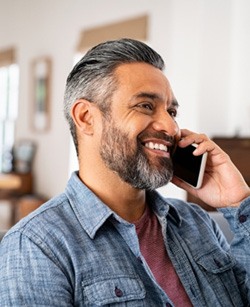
128 202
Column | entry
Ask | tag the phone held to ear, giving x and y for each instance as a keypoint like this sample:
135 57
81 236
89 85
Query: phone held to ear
189 168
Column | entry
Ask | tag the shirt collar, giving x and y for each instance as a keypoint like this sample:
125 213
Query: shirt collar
92 213
89 209
164 207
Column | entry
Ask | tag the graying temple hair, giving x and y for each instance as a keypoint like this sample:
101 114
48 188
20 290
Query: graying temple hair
93 78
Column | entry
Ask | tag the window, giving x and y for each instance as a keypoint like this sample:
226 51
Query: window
9 79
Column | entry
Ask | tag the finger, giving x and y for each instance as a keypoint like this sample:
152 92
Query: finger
192 138
204 146
185 132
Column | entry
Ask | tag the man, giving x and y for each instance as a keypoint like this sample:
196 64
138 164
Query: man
110 239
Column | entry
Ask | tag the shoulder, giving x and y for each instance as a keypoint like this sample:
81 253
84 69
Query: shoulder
198 224
192 214
187 209
38 224
50 233
189 218
183 208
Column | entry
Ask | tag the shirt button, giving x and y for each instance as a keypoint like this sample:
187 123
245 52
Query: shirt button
217 262
242 218
118 292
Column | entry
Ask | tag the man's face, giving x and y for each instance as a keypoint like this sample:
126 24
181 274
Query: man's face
138 141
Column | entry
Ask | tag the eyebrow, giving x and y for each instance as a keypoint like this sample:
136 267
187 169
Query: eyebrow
175 103
154 96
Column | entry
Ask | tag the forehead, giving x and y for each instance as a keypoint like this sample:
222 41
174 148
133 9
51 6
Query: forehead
134 78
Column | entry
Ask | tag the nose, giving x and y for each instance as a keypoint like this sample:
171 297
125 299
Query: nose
166 123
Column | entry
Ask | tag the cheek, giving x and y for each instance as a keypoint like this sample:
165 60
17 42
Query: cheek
137 125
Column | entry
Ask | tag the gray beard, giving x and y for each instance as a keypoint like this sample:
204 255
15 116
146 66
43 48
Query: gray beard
131 162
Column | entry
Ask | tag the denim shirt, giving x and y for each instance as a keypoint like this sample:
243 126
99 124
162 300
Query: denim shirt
75 251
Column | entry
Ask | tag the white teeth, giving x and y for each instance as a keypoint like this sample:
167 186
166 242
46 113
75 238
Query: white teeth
157 146
163 147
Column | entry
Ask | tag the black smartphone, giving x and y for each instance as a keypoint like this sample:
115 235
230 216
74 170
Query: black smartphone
188 167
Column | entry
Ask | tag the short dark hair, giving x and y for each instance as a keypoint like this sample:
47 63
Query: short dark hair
93 78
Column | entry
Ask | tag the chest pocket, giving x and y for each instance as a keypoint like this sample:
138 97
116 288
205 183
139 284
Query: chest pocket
223 265
216 262
113 290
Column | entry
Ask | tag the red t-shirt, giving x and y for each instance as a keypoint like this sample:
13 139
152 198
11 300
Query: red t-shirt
153 250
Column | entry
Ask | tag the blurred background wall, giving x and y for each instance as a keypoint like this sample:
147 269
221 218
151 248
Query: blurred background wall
206 46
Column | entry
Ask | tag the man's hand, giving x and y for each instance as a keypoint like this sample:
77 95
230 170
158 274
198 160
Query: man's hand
223 185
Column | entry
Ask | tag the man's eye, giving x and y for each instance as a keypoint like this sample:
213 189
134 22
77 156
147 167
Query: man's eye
172 112
146 105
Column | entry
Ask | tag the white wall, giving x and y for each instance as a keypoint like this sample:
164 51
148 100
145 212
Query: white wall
205 45
240 69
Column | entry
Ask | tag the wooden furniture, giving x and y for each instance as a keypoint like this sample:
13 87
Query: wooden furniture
17 183
239 151
27 204
12 187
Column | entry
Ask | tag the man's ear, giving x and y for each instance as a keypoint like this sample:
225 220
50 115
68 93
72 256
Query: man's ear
81 113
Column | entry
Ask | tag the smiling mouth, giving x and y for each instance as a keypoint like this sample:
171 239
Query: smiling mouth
156 146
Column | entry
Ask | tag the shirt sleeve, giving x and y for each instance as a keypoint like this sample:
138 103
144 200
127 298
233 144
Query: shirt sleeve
239 221
29 276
